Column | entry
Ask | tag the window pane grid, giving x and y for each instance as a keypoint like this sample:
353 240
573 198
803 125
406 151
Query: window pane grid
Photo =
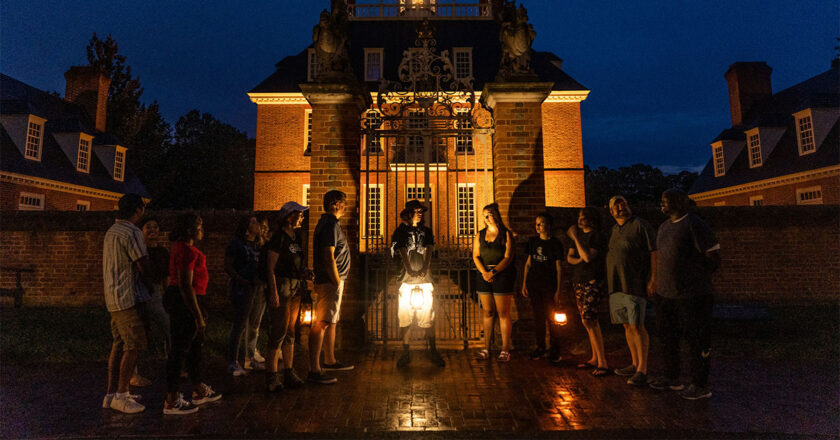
418 193
806 135
720 168
464 142
84 155
31 201
119 160
755 150
373 211
308 148
463 64
466 210
372 121
33 141
373 66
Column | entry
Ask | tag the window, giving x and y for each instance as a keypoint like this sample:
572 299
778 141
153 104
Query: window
119 163
373 120
463 142
373 64
755 150
720 165
307 129
31 202
82 206
416 121
722 203
806 135
305 194
463 62
466 209
83 158
312 66
757 201
34 139
373 210
418 192
809 196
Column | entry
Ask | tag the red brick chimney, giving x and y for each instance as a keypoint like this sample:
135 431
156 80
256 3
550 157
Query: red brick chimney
88 87
749 83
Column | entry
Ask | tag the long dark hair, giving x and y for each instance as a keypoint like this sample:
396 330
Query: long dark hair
497 216
184 226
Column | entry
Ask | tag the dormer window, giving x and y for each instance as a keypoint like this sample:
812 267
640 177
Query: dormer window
720 164
373 63
805 133
463 62
754 148
83 155
119 164
312 66
34 138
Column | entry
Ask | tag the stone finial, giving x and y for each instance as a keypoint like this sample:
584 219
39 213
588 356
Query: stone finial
331 43
516 37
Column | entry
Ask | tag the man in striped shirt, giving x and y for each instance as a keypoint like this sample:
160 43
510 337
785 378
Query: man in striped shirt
124 261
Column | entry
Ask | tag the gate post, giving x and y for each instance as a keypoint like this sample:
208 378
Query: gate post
518 171
335 164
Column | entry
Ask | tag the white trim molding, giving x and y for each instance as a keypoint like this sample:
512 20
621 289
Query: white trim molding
278 98
567 96
20 179
819 173
297 98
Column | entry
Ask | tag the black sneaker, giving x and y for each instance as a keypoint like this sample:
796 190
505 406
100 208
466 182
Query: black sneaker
638 380
554 356
320 377
273 382
693 392
404 360
538 353
436 359
626 371
663 384
338 366
291 380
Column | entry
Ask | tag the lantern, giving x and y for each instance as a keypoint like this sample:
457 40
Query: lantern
560 318
417 298
307 314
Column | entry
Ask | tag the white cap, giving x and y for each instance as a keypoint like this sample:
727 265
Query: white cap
290 207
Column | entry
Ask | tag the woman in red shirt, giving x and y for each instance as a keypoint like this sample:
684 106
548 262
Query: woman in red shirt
184 300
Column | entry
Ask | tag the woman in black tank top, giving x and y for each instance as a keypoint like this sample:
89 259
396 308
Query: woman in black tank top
493 254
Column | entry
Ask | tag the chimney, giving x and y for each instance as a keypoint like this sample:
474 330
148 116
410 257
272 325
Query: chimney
749 83
88 86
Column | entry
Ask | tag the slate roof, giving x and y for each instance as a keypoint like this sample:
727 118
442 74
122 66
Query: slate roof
395 36
821 91
17 98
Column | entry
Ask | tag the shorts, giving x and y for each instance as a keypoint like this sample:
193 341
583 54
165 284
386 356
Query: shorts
128 330
588 297
327 299
288 291
502 284
627 309
424 313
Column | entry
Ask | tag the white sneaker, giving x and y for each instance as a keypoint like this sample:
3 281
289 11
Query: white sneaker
179 407
258 357
127 405
206 396
106 402
254 364
236 370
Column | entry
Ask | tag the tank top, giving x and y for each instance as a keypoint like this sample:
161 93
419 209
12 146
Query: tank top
492 253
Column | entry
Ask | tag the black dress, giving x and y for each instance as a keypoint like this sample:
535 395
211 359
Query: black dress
491 254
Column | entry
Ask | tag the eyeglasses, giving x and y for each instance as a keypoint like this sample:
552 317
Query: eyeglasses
488 216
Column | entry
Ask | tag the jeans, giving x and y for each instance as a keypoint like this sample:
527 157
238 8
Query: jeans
248 309
691 318
255 316
186 343
158 320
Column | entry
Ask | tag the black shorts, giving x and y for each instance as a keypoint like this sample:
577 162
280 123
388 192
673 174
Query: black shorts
503 284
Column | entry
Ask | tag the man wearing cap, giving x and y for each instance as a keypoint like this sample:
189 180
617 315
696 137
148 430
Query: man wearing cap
331 258
414 242
631 277
286 273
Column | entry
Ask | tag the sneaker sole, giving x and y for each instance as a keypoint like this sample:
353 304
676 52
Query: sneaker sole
347 368
322 382
124 411
702 396
179 412
215 398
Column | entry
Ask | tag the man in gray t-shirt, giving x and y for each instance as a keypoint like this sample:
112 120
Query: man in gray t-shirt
631 269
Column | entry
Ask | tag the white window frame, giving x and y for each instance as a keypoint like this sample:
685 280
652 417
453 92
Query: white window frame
756 200
813 199
311 65
464 227
370 51
718 162
366 213
33 146
82 205
119 151
464 144
462 50
377 139
84 151
413 188
307 132
754 148
29 207
305 195
805 134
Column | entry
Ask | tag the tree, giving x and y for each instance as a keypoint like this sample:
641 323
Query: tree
641 184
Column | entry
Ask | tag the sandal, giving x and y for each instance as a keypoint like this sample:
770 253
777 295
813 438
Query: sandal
504 356
483 355
585 366
601 372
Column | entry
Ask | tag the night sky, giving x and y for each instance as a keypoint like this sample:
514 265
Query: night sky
655 68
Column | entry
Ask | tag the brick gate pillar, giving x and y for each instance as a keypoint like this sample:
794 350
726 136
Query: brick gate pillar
518 176
335 164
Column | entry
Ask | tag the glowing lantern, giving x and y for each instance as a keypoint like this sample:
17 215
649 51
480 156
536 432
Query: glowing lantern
307 315
417 298
560 318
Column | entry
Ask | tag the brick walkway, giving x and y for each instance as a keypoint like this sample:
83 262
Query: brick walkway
521 399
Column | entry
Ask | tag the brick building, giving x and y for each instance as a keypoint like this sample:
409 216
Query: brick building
782 148
56 154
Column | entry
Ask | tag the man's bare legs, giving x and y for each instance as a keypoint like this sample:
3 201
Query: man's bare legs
316 341
329 344
596 341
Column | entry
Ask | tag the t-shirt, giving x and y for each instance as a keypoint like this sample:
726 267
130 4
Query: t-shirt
245 258
628 257
159 263
328 233
682 269
291 258
544 256
187 257
593 270
123 246
415 240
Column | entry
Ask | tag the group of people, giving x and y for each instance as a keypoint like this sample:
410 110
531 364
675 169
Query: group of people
149 290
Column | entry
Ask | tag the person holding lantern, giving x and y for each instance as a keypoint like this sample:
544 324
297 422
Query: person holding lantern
414 242
541 284
286 273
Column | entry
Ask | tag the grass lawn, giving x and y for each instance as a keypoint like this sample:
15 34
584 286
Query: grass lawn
63 334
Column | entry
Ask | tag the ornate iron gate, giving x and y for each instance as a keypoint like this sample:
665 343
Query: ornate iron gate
427 138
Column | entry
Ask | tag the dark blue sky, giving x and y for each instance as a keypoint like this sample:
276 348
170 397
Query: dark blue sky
655 67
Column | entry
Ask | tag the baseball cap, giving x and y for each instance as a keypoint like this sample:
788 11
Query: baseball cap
290 207
615 199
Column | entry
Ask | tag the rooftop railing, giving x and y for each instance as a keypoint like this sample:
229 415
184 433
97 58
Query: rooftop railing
408 9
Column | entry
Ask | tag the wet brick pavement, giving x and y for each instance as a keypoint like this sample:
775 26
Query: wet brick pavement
468 398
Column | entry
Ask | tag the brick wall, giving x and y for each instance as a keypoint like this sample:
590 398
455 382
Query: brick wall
53 200
563 154
781 195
